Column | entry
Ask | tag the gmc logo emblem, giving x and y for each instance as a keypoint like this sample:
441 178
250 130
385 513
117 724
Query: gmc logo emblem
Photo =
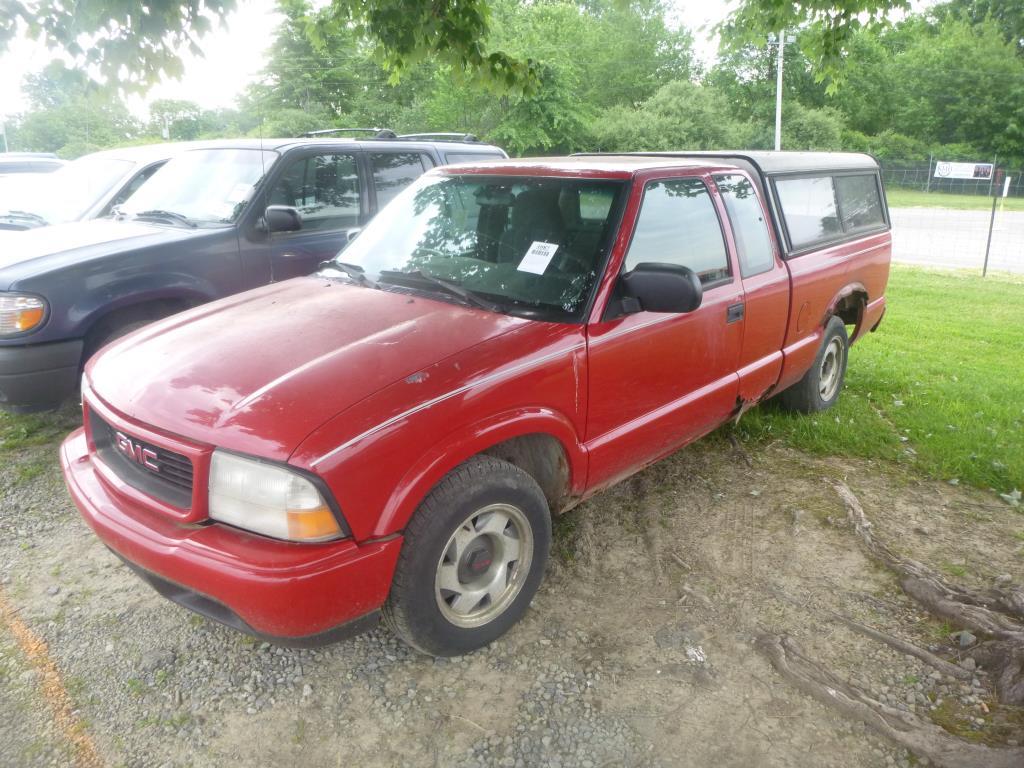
144 456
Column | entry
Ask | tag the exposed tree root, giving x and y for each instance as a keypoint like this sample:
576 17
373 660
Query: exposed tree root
994 614
920 736
903 646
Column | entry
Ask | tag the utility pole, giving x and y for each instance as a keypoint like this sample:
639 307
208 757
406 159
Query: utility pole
780 41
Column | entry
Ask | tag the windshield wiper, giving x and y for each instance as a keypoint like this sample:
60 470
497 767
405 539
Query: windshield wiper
353 271
25 216
418 278
157 213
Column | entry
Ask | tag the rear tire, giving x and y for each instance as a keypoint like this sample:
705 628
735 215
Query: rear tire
820 387
472 560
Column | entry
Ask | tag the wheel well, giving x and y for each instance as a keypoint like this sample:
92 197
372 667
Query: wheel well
543 458
850 309
152 310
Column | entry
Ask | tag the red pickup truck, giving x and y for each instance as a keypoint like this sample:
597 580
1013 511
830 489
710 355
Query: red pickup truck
391 435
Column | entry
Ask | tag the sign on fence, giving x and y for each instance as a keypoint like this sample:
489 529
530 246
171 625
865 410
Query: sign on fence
945 170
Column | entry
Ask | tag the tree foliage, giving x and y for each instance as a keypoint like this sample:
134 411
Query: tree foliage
828 27
131 43
609 74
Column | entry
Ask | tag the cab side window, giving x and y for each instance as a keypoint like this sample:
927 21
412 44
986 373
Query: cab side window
749 228
393 172
678 225
324 189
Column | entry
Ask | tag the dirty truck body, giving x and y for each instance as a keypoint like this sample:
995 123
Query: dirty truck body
505 340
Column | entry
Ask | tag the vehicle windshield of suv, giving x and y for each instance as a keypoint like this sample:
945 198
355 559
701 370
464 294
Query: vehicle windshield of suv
523 245
64 195
201 187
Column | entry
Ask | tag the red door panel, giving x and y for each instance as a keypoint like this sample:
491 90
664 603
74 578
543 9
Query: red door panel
657 382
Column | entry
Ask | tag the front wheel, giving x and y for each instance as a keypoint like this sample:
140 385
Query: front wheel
473 557
819 389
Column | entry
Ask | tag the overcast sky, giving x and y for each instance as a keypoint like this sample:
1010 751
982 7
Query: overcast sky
235 51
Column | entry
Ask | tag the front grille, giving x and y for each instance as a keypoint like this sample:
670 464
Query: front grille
156 471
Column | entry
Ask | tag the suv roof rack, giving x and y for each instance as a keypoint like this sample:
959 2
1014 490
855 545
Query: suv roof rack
378 133
466 137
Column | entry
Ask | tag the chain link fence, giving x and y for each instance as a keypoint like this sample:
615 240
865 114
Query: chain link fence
921 179
940 230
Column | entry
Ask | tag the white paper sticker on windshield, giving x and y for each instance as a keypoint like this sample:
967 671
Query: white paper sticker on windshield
538 257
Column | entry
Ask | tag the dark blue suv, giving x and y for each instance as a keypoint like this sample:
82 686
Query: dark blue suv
215 220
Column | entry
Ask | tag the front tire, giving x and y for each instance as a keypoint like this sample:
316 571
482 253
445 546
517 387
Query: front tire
473 557
819 389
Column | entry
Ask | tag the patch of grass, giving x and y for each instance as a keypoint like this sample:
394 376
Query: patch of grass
954 570
1019 535
910 679
954 719
563 536
29 471
912 198
19 431
135 686
945 371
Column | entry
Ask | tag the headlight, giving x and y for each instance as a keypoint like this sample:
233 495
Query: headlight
268 499
20 313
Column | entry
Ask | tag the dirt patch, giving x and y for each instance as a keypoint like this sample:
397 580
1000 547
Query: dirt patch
639 649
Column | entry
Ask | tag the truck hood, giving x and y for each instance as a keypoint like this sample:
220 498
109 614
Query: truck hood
80 240
258 371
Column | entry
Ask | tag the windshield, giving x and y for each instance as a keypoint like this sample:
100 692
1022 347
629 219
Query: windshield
206 186
530 246
66 194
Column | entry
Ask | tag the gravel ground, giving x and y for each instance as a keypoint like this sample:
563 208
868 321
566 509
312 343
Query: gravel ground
636 652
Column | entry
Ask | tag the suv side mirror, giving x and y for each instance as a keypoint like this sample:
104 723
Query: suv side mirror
654 287
282 218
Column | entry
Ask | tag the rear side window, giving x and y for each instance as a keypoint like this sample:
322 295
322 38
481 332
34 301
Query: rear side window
470 157
809 207
860 204
678 225
393 172
749 228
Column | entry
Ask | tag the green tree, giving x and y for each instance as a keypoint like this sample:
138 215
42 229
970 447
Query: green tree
182 119
681 115
142 39
960 83
131 43
84 124
827 28
55 85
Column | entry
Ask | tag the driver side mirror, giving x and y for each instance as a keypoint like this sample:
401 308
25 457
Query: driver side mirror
652 287
282 218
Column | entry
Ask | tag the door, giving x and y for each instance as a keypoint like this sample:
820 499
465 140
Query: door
659 380
326 190
765 287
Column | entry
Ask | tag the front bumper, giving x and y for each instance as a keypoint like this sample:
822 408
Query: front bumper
38 376
292 594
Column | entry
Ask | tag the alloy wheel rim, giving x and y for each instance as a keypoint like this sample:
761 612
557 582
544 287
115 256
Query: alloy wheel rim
831 367
484 565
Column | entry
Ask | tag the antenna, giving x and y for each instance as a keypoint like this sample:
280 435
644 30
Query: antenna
265 192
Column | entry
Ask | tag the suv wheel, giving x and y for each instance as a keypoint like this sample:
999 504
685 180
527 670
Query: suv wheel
819 389
473 558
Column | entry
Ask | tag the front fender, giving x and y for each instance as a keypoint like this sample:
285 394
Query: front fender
442 457
89 307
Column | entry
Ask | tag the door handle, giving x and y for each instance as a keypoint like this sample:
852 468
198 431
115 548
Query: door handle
734 313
